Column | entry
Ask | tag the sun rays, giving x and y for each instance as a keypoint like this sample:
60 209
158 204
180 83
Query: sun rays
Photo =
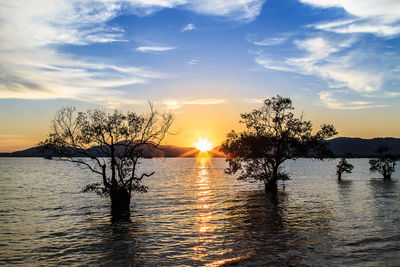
203 145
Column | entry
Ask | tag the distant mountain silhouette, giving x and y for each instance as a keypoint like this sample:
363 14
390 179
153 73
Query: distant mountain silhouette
341 147
358 147
167 151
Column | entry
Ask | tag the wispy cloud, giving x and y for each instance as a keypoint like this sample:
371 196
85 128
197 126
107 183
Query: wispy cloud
254 100
359 27
245 10
193 62
327 59
240 10
57 77
385 9
330 101
32 66
58 22
342 65
392 94
335 53
154 48
253 39
189 27
379 17
173 104
32 32
269 63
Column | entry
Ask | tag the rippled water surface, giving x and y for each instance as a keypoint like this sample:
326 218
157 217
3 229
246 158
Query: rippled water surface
196 215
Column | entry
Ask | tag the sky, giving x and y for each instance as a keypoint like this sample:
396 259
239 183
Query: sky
206 61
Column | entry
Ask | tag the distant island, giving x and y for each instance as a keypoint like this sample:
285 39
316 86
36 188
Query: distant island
341 147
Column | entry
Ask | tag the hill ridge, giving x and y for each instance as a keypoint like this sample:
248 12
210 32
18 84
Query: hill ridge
340 146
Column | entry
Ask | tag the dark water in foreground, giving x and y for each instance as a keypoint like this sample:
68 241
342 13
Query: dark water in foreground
196 215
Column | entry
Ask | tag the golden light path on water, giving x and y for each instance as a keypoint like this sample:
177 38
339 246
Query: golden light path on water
196 215
204 218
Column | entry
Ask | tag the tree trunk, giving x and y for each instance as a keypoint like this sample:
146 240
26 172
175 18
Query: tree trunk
339 176
386 174
271 186
120 201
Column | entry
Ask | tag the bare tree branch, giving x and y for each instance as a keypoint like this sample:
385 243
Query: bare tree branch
85 138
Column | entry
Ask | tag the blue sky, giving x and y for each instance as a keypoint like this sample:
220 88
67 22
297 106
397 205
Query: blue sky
338 60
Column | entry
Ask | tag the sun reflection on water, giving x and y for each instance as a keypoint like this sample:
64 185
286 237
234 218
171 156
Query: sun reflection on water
207 245
204 216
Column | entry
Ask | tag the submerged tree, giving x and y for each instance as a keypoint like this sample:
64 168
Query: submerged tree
343 166
110 145
385 164
273 135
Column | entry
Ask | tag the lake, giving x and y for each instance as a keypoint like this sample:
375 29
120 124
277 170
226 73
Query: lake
195 215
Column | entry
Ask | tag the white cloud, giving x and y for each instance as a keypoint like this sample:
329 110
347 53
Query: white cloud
319 48
392 94
333 24
254 100
251 38
350 69
321 60
154 48
49 76
339 58
324 58
246 10
270 41
380 17
329 100
193 62
42 22
388 10
33 67
354 26
271 64
189 27
173 104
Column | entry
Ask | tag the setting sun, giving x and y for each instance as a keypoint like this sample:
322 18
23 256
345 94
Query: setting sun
203 144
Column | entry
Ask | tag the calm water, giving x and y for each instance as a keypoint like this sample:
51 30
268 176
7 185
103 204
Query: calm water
196 215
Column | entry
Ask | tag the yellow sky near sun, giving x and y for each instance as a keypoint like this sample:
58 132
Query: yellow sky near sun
205 121
212 122
191 123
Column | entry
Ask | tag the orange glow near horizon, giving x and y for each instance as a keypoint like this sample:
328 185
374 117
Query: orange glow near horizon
203 145
196 122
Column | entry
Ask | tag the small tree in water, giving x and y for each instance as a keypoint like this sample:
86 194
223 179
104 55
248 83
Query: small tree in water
273 135
385 164
110 145
343 166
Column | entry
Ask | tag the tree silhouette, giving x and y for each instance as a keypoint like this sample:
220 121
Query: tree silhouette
385 164
273 135
343 166
110 145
